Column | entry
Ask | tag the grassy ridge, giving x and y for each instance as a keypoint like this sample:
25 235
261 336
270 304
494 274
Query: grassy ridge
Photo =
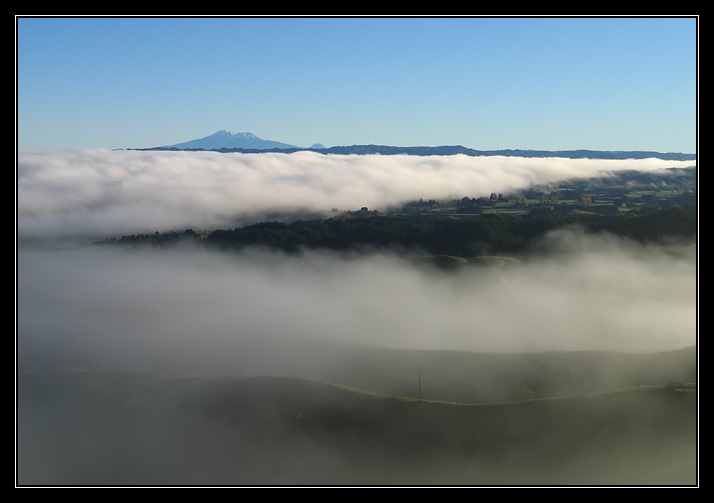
468 377
682 387
123 428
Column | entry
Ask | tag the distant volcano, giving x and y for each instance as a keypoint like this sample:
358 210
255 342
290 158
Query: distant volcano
227 139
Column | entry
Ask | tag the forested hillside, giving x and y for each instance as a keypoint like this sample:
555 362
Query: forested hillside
643 206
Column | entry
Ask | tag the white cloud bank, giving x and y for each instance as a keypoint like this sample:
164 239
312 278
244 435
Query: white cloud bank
199 309
101 192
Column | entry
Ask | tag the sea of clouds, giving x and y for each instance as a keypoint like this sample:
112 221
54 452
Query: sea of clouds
91 307
100 192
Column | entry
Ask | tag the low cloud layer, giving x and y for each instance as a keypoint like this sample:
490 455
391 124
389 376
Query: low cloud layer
200 311
102 307
191 310
115 192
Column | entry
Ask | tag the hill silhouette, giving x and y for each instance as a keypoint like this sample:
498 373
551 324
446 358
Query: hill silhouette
226 141
109 428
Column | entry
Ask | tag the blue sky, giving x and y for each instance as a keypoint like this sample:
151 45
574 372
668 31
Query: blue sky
485 83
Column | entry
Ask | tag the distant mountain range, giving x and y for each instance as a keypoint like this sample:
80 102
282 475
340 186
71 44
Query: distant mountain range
226 141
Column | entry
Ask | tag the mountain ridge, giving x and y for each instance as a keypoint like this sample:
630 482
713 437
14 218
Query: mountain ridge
246 142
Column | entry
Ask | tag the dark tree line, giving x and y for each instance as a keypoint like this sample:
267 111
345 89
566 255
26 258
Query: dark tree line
466 236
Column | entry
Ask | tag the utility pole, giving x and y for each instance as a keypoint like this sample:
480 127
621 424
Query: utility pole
419 378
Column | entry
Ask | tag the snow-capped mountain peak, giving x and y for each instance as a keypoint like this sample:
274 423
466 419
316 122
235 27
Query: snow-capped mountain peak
229 139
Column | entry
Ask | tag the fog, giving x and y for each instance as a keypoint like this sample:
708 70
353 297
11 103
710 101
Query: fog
101 192
193 311
97 307
198 311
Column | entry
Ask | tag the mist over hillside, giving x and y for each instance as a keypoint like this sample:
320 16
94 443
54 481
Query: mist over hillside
105 428
140 360
126 308
573 291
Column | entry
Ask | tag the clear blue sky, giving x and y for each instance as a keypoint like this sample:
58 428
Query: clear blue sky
485 83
